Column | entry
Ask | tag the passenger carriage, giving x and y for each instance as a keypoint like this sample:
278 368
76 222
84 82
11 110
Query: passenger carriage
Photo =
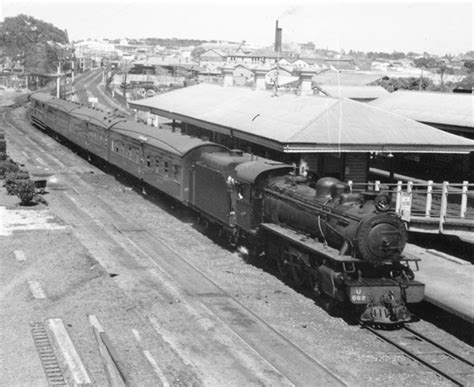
160 157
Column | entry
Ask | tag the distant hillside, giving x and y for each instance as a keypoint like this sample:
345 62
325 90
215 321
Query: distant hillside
35 43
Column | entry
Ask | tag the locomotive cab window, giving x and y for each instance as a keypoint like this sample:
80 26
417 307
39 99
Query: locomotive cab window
243 190
258 194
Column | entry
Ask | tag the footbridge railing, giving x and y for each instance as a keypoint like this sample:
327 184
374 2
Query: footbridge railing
429 206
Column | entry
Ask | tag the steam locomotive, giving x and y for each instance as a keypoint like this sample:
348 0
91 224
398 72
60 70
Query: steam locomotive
343 245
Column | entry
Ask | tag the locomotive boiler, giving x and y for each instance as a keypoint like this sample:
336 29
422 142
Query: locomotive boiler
356 224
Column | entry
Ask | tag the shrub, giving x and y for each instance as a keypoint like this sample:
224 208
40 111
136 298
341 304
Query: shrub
25 190
6 167
12 179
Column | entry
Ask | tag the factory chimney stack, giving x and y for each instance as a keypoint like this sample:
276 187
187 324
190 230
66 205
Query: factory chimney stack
277 38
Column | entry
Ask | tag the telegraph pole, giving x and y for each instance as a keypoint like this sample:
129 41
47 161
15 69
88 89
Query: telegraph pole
58 81
125 87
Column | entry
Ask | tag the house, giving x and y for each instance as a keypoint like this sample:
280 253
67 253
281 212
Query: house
213 55
242 75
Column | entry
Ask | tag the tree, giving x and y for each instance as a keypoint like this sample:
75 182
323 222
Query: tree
469 65
409 83
424 62
39 45
197 52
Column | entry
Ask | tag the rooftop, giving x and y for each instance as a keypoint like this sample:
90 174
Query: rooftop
354 78
431 107
353 92
294 123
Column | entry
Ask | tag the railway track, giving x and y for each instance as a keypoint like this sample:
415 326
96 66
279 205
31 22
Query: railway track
89 86
443 361
196 290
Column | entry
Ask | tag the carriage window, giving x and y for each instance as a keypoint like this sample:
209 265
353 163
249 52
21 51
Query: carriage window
175 172
166 168
157 165
148 161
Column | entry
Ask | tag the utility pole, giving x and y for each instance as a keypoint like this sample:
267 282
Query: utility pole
58 81
73 60
421 79
125 87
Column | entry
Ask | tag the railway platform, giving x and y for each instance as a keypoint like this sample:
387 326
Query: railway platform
449 282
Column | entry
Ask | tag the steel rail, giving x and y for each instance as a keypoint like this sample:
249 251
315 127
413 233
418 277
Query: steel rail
449 352
414 356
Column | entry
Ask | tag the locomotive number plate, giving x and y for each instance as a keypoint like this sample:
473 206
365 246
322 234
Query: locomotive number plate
358 296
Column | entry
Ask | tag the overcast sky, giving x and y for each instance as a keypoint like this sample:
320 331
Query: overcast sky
436 27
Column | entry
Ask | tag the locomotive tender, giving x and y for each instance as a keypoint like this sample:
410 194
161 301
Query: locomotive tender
347 246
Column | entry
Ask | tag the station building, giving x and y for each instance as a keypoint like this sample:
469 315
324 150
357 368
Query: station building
450 112
329 136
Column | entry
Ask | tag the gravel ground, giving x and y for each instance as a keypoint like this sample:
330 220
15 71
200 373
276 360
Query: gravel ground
76 286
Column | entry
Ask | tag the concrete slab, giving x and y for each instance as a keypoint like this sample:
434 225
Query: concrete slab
448 284
36 289
72 363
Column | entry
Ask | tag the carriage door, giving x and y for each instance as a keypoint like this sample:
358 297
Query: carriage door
257 205
191 187
141 161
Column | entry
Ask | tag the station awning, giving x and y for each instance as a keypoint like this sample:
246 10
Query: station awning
300 124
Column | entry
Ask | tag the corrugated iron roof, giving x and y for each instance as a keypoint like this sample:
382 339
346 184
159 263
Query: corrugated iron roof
436 108
354 92
293 123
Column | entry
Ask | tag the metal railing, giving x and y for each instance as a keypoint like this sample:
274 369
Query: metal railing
447 203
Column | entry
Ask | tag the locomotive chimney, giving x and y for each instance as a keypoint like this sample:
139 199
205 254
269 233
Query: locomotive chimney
260 79
228 76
